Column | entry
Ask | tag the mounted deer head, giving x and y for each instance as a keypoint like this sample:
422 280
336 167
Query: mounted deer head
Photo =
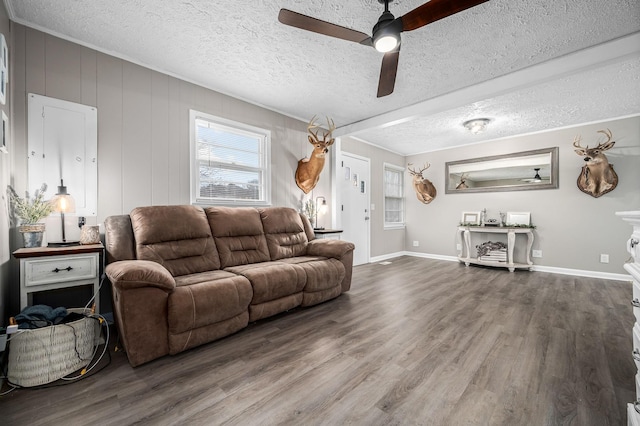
463 182
597 176
308 171
425 191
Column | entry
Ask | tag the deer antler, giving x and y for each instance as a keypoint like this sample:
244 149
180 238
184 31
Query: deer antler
414 172
325 135
576 142
608 134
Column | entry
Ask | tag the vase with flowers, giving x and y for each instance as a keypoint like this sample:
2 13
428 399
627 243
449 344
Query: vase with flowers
30 211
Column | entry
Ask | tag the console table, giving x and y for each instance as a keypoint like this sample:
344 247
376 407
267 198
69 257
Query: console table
464 235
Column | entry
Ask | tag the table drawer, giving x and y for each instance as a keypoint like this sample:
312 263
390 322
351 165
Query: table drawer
633 245
635 302
60 269
636 346
633 416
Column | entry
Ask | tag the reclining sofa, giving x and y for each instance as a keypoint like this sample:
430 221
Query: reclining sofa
183 276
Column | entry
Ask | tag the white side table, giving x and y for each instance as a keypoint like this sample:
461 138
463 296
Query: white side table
49 268
328 234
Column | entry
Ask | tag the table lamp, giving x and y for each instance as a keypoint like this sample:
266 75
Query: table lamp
63 203
322 208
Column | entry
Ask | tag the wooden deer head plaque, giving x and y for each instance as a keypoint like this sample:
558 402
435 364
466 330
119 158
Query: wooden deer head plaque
425 191
597 176
308 171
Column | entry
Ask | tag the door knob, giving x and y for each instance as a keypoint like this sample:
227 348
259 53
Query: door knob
366 218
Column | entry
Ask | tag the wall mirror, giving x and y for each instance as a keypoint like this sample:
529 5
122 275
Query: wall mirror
519 171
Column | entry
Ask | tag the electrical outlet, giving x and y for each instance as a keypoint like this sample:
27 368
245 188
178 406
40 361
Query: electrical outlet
458 246
604 258
416 243
536 253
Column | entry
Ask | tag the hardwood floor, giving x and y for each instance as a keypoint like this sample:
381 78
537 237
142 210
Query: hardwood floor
416 342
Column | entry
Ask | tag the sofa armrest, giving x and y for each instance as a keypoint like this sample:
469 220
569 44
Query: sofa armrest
140 290
130 274
329 248
337 249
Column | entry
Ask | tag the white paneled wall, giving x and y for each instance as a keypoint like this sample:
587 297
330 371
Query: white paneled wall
143 118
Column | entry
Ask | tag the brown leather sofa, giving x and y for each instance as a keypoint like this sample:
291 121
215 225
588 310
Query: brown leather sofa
183 276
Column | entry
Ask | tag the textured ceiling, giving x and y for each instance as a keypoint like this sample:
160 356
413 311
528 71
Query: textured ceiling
512 61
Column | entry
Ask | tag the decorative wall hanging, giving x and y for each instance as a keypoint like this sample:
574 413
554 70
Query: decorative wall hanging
597 176
308 171
4 133
425 191
4 69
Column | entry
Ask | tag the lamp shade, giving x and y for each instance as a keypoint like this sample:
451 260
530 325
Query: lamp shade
63 202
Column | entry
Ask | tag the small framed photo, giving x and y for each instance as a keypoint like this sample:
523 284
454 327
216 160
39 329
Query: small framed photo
519 218
471 218
4 133
3 86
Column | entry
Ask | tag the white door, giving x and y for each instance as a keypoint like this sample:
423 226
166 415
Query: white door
355 180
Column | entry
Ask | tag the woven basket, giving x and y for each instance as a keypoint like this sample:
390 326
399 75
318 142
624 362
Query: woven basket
47 354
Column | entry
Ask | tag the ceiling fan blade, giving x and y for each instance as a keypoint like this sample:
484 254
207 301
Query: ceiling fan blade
435 10
388 73
304 22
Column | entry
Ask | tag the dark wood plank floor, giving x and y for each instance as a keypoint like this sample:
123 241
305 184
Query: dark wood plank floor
416 342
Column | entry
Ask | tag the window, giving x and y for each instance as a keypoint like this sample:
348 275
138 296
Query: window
229 162
393 196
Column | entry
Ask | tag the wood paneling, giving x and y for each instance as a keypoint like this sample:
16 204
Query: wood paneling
143 122
419 342
136 136
110 143
159 139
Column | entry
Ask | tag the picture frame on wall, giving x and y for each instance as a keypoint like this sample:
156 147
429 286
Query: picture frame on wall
4 69
4 133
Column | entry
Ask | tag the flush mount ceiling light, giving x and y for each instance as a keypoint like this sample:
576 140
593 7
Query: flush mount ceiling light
477 125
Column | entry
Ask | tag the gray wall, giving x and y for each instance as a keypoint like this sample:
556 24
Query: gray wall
5 176
572 228
143 133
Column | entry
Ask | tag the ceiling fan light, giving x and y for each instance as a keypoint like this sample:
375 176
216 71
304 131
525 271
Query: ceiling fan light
477 125
386 43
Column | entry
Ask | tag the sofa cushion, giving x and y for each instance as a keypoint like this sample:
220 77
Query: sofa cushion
284 231
177 237
271 280
198 305
238 234
321 274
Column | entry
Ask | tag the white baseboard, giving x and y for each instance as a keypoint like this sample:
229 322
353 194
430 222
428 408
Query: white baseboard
582 273
538 268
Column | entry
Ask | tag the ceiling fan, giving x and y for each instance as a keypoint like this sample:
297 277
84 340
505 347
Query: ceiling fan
536 179
385 34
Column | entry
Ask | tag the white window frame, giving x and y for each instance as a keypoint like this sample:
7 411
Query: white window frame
400 170
233 127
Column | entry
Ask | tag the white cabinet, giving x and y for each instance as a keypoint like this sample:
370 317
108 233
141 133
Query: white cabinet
49 268
633 267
